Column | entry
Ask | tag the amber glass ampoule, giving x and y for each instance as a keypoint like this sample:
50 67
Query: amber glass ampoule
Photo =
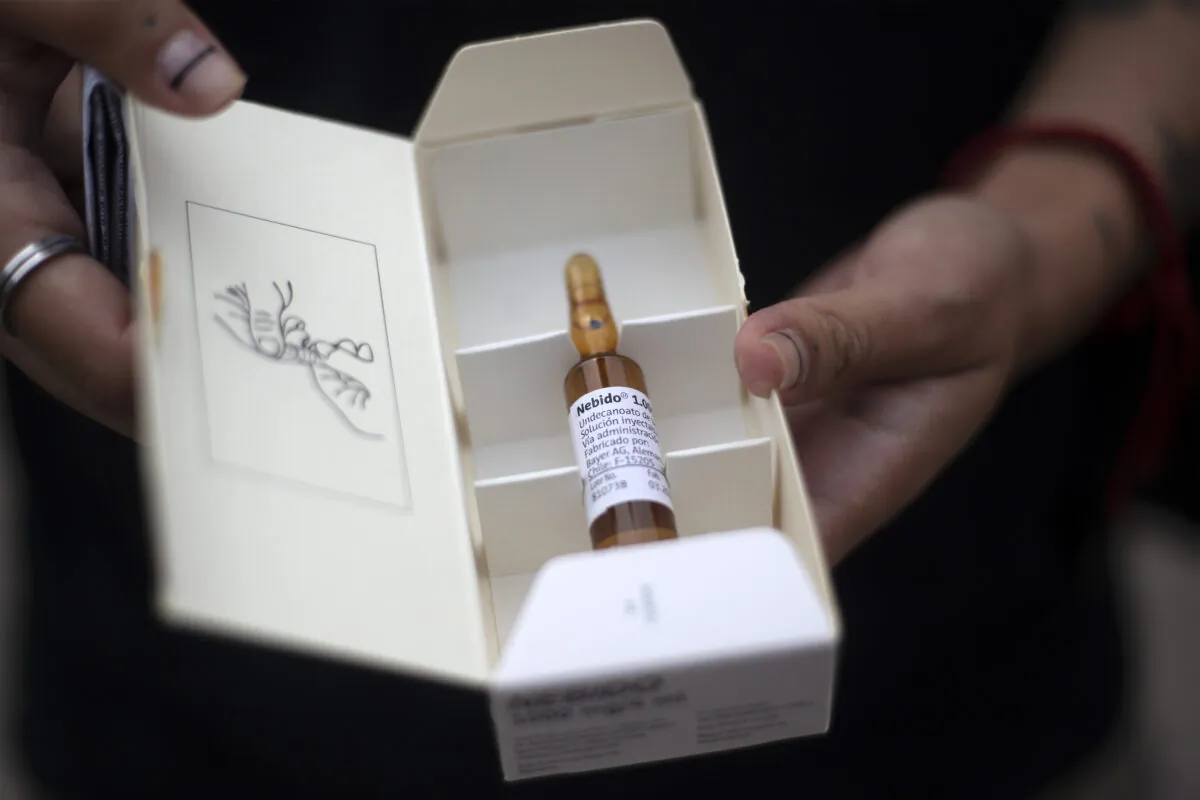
625 489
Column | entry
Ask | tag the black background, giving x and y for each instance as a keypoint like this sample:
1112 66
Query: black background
981 653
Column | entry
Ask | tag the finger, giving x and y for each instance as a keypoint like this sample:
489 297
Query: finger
818 346
112 407
70 318
761 369
157 49
62 138
868 459
75 338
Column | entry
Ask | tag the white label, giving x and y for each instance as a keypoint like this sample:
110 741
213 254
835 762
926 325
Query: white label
650 717
616 445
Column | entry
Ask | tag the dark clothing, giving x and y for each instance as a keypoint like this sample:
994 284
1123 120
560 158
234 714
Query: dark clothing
981 654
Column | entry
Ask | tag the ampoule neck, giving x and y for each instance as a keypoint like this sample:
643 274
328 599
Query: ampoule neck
593 330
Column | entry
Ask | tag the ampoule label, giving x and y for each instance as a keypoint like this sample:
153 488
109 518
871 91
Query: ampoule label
616 445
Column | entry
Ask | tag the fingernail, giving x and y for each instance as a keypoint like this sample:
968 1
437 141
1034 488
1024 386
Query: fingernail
755 387
199 70
791 357
759 388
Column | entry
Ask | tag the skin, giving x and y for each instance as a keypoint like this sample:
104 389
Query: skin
895 356
889 361
73 320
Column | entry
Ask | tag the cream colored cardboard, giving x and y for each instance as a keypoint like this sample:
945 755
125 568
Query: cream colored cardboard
548 79
253 548
646 683
356 437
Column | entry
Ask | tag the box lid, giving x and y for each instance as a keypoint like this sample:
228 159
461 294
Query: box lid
290 506
553 78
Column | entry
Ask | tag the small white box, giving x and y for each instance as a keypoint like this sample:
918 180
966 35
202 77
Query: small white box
355 431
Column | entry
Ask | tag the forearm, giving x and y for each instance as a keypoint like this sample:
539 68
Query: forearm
1128 67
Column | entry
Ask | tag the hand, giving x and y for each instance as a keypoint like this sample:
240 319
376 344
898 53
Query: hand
72 319
893 357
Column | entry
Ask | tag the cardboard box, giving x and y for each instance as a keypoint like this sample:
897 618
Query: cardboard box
355 432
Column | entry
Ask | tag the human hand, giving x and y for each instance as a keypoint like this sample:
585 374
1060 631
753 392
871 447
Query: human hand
71 321
891 358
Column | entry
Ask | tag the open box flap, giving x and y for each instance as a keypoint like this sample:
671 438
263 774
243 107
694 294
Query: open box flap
529 82
300 447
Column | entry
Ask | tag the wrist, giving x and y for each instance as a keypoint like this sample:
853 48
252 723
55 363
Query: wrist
1081 220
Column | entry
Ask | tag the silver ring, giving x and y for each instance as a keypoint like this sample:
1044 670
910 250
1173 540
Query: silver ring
23 264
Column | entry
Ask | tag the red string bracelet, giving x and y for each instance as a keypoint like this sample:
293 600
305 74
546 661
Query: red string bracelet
1165 299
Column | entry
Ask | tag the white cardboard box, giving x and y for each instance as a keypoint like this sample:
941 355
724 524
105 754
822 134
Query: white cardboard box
436 528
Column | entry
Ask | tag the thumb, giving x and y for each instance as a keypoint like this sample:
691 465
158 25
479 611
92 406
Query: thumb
812 347
157 49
